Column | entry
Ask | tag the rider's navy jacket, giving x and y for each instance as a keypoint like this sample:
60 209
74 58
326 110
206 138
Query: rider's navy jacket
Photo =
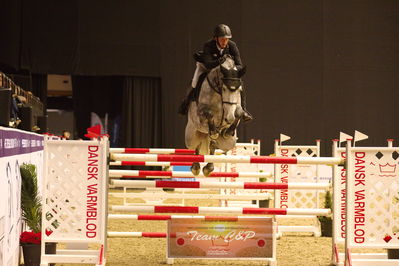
212 54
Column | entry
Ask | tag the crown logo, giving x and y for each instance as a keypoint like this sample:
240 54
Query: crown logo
387 168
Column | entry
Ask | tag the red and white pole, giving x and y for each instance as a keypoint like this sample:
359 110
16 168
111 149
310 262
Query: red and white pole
226 159
144 173
211 184
162 164
220 210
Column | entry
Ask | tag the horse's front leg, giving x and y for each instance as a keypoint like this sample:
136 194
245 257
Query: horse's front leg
207 116
209 167
238 114
229 132
212 129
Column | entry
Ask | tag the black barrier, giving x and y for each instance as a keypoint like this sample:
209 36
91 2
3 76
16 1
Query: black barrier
18 107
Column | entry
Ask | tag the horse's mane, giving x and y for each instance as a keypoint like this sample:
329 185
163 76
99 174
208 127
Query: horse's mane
228 64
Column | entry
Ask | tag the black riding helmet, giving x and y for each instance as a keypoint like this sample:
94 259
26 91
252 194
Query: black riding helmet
222 31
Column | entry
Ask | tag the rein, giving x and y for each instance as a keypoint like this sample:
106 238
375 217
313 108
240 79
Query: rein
219 90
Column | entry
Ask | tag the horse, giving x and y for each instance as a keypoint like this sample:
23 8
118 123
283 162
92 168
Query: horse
214 117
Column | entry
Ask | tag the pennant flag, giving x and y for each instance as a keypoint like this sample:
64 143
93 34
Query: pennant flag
284 137
343 137
360 136
93 132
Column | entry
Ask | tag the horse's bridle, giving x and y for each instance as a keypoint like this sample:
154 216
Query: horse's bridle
219 90
226 81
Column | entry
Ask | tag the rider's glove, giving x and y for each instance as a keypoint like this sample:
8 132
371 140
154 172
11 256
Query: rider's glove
221 60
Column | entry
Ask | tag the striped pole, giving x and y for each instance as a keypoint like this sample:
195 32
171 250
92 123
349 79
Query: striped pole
143 173
163 164
138 234
151 150
156 151
160 235
144 217
220 210
159 195
210 184
226 159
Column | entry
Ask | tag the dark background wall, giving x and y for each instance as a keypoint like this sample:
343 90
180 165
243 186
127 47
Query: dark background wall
314 67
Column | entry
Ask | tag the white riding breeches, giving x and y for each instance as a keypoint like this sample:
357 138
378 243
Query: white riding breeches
198 71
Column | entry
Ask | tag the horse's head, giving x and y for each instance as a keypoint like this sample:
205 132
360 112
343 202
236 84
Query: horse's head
231 91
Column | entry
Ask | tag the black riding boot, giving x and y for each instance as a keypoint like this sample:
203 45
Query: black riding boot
246 116
183 108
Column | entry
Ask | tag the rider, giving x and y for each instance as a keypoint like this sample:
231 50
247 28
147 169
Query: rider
214 53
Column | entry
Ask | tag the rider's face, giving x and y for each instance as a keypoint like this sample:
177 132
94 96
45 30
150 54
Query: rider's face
222 42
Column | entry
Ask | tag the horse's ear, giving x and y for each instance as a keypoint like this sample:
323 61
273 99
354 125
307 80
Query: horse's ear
224 71
242 71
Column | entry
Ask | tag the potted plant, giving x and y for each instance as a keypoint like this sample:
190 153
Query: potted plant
326 221
32 216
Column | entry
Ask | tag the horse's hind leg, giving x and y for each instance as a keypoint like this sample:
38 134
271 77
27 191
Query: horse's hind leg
196 167
209 167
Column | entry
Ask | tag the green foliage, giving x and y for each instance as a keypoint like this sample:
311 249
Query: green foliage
328 200
30 200
327 205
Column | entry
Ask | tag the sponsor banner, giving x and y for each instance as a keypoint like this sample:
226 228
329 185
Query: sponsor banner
243 238
17 142
16 148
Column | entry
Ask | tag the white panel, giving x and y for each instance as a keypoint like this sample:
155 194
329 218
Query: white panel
373 197
74 186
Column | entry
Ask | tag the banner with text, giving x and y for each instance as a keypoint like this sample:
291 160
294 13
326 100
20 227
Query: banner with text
242 238
16 148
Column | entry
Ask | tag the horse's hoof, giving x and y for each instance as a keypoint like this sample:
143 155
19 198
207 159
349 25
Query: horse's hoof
208 169
195 168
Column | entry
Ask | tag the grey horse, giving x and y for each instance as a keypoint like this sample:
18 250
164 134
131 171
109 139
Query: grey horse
214 117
